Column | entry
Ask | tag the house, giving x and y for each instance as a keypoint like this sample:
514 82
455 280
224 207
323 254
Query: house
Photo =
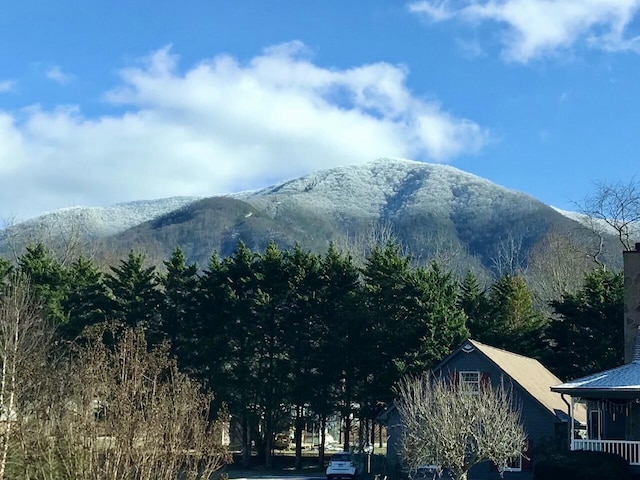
544 414
612 397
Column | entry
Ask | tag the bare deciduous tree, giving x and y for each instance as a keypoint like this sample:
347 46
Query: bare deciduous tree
25 340
509 255
454 428
126 413
618 206
556 266
360 245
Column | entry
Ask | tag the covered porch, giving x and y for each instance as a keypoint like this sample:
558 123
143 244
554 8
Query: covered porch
610 403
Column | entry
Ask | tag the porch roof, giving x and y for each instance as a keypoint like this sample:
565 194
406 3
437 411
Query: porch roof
621 381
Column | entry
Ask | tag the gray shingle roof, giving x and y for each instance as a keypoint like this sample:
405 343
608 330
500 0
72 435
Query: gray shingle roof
624 379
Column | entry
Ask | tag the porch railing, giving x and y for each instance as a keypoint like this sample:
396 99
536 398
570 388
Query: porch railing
629 450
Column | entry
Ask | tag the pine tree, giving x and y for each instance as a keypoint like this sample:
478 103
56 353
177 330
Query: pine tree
437 324
587 336
475 304
347 354
134 293
87 299
515 324
303 335
271 309
241 332
48 279
178 307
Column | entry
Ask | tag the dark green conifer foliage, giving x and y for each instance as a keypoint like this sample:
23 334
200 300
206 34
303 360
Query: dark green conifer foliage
271 312
236 315
135 296
514 324
588 335
178 307
475 304
436 323
212 350
303 330
5 270
48 279
346 350
87 299
389 290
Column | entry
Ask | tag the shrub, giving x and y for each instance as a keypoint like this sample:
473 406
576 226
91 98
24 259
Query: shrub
582 465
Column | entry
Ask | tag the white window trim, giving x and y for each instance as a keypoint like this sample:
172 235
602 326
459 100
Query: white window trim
462 382
507 468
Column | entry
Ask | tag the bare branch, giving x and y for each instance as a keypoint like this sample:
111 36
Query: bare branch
454 428
617 205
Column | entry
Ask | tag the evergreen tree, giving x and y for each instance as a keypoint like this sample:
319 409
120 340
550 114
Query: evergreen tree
178 307
48 279
240 329
271 309
515 324
588 335
475 304
389 290
347 354
87 300
436 322
303 336
134 294
5 270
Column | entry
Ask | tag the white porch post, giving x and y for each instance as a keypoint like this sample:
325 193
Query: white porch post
571 419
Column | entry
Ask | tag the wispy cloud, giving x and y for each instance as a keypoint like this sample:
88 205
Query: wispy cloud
56 74
7 86
535 28
220 126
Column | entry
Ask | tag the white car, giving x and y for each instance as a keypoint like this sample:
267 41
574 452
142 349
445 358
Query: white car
341 467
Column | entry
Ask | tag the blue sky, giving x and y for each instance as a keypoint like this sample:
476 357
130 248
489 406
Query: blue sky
112 101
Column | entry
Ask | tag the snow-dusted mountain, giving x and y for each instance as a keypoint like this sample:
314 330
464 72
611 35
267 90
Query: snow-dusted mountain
387 187
429 208
89 223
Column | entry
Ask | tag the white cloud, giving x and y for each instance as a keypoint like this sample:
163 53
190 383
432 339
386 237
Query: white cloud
56 74
7 86
534 28
220 126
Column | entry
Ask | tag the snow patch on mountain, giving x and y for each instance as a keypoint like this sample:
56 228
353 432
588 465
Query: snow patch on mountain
384 187
595 224
103 221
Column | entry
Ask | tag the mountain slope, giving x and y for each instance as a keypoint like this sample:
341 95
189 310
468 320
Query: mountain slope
434 211
86 223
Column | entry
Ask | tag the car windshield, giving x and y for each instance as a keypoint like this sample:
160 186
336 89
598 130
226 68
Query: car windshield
341 457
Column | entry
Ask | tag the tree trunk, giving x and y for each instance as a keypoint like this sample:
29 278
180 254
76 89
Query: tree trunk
372 439
246 442
347 432
298 436
268 441
323 428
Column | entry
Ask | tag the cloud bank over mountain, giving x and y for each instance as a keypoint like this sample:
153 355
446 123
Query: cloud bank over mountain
219 126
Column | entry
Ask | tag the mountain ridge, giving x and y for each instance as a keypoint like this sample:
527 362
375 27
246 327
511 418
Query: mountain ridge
427 207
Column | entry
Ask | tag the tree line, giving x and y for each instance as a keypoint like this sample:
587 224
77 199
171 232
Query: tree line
276 332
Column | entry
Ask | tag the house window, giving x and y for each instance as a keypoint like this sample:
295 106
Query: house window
514 465
595 424
470 381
